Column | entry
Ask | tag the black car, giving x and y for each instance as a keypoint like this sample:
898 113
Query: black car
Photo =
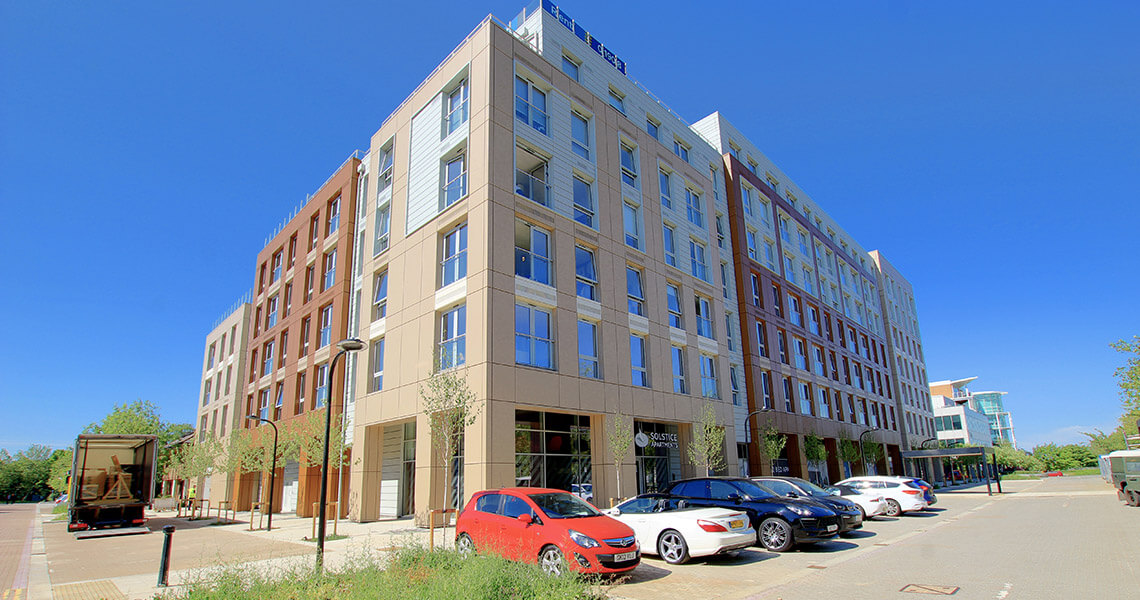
794 487
780 522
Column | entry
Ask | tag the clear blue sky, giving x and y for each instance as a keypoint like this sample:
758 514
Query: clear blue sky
148 148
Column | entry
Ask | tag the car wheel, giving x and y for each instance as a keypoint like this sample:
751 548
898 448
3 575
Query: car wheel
464 545
672 548
551 561
1120 495
862 513
1133 498
893 508
776 535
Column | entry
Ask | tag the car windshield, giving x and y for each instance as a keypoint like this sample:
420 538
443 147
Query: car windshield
753 489
812 488
561 505
842 490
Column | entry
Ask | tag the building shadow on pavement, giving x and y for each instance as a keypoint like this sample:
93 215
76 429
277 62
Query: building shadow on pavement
183 523
826 547
858 534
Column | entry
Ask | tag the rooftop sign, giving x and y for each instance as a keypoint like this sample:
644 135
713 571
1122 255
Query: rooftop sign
584 35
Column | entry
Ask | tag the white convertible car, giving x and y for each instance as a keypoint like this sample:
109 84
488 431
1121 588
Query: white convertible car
666 527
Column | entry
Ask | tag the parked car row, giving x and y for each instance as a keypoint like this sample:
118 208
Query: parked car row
701 516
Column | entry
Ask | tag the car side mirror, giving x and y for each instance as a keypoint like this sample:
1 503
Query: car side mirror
735 498
793 495
525 518
613 512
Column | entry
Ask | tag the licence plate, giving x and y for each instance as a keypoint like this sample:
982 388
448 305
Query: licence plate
737 524
831 528
624 556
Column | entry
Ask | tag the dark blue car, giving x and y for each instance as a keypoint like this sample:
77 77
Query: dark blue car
780 523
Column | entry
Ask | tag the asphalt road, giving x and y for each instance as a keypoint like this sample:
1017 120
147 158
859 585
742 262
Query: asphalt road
1058 538
15 547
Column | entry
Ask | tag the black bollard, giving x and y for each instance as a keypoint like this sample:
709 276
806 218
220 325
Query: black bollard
164 566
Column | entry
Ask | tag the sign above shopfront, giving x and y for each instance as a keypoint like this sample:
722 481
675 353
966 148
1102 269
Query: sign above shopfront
655 439
584 35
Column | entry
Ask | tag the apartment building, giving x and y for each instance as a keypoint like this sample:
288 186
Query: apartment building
301 308
541 224
815 351
957 424
221 393
988 403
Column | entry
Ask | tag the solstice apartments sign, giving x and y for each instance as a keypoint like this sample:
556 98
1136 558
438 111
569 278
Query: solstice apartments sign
655 439
584 35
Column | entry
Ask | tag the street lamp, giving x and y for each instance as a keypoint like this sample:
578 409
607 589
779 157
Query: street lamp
748 421
862 452
272 471
346 346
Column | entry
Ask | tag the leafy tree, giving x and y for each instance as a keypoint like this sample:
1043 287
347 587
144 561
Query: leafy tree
848 450
706 450
814 449
142 417
620 438
772 443
873 451
25 475
1063 458
1009 457
451 408
1128 375
60 470
1100 442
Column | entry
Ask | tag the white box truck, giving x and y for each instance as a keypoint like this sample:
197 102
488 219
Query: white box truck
112 484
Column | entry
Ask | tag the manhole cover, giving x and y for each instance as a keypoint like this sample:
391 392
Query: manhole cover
937 590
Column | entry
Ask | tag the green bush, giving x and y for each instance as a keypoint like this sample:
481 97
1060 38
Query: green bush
407 573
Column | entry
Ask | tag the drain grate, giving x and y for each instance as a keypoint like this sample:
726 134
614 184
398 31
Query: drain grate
936 590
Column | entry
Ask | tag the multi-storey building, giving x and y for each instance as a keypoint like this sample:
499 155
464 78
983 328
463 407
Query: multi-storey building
301 302
907 362
543 225
221 393
815 352
989 404
958 424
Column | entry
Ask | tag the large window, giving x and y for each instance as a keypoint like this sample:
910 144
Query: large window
678 354
570 67
670 242
383 228
583 202
673 300
532 252
805 398
697 263
453 337
530 104
553 450
588 349
455 180
708 377
333 216
380 295
457 106
693 208
580 135
271 312
534 337
631 217
635 291
326 326
586 272
628 164
681 149
455 254
666 199
384 166
531 176
637 360
330 270
376 364
704 317
824 400
275 273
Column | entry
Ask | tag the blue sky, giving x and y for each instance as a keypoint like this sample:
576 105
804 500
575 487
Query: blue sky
991 150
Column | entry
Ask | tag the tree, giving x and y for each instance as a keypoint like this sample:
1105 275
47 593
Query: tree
848 450
1128 375
620 438
1100 442
1009 457
814 449
451 408
142 417
772 443
706 450
25 475
60 470
873 451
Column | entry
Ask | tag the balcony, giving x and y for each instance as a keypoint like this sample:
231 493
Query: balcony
532 188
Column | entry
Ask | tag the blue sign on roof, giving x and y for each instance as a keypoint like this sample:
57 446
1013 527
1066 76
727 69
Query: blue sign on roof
584 35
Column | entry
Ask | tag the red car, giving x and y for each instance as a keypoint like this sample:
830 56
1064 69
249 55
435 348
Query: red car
552 527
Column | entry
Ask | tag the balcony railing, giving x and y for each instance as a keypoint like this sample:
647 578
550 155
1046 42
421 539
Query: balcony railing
531 187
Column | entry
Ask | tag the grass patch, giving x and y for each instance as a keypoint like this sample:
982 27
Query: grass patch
408 573
1084 471
1020 476
328 538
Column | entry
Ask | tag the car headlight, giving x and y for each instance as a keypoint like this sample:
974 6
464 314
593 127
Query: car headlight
802 511
583 540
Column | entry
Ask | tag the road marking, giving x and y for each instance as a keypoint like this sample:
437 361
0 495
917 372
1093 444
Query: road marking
937 590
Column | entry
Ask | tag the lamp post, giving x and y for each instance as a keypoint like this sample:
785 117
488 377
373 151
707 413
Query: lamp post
862 453
346 346
748 421
272 471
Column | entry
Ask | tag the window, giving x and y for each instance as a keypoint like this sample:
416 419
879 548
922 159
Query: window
800 351
267 358
384 167
673 300
769 255
617 100
756 296
376 364
693 208
698 265
670 242
679 370
819 367
637 361
330 270
635 291
383 229
808 281
788 406
784 234
530 176
322 385
704 317
750 241
288 299
803 243
580 135
681 149
534 339
454 255
628 165
380 296
663 182
206 392
333 216
284 349
262 405
457 106
570 67
766 388
653 128
314 231
746 199
813 319
631 215
532 252
305 331
720 230
805 399
326 326
794 314
733 381
728 328
588 349
455 178
271 312
789 268
300 394
530 104
708 377
452 337
762 338
275 274
583 202
586 273
782 345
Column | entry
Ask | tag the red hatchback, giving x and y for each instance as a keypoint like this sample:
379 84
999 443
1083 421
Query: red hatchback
552 527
